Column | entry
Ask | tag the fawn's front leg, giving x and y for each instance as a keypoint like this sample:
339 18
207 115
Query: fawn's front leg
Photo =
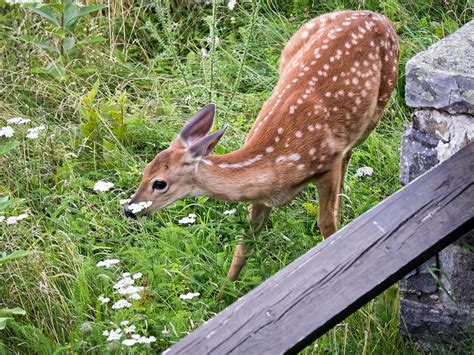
258 215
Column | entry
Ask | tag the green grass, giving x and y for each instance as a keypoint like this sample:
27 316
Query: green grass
151 77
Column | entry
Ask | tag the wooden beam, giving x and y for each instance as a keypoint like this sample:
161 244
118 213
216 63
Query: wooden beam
328 283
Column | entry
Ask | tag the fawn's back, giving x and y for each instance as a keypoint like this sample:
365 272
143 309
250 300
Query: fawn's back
337 73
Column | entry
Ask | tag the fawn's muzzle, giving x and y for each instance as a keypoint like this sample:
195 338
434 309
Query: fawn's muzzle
128 213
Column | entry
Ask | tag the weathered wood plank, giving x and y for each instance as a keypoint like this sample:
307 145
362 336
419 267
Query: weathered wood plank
321 288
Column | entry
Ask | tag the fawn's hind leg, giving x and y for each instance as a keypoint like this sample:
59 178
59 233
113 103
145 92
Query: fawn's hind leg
329 188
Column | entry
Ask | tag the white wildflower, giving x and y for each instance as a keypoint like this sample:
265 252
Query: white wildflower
190 219
70 155
120 304
189 296
135 297
204 53
18 120
107 263
129 342
125 282
33 133
113 334
231 4
15 219
126 274
124 323
125 201
137 207
130 290
137 275
2 218
103 300
136 336
145 340
364 171
6 132
229 212
130 329
103 186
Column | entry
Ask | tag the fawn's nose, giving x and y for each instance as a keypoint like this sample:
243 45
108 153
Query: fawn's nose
128 213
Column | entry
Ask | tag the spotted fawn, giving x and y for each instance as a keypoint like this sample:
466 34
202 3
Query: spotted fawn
337 73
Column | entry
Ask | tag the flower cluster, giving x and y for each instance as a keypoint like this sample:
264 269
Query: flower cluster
189 295
366 170
108 263
14 219
8 131
190 219
229 212
125 287
103 186
33 133
137 207
231 4
18 120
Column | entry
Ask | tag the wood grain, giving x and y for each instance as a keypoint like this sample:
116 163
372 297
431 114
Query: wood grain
321 288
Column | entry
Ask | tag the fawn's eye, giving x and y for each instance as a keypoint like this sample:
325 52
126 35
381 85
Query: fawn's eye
159 185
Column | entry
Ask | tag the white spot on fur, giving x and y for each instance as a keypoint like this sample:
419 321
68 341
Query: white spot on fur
269 149
294 157
298 134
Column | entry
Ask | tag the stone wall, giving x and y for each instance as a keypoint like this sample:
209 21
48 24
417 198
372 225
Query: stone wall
440 86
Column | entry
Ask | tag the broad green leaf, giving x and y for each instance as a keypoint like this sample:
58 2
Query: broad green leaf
12 311
44 12
40 42
3 322
56 70
89 9
72 13
13 256
69 43
5 202
5 148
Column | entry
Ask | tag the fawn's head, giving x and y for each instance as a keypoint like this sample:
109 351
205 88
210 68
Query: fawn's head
171 174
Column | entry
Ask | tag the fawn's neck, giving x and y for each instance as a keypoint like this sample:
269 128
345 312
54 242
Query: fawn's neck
242 175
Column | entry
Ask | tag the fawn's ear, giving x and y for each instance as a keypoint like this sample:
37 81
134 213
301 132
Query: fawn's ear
198 126
205 145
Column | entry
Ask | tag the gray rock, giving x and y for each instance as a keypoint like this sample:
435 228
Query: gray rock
442 77
453 131
419 282
434 323
418 154
457 263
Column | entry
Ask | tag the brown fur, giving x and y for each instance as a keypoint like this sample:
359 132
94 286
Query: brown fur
336 75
